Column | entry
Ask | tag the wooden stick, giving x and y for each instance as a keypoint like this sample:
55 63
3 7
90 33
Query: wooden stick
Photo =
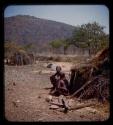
81 106
58 104
76 107
87 83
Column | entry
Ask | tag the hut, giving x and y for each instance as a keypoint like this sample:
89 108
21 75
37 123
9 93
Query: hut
20 57
91 80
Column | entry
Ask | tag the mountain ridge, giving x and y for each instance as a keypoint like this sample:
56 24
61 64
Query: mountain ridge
25 29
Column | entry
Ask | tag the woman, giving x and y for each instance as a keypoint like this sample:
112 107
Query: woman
59 82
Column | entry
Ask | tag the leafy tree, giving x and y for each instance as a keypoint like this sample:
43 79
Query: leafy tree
11 47
90 36
30 47
56 44
65 44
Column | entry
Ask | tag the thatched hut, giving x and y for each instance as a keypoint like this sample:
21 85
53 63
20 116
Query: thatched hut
92 76
20 57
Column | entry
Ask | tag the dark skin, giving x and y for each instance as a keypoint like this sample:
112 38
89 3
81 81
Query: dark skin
63 85
54 78
60 83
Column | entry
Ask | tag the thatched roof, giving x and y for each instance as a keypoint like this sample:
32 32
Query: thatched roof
95 73
95 61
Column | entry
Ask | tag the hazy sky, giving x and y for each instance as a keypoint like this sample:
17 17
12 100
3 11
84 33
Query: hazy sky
69 14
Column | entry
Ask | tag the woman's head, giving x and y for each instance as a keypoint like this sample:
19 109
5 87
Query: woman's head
58 68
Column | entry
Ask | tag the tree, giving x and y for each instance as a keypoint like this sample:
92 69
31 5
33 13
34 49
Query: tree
90 36
65 44
11 47
56 44
30 47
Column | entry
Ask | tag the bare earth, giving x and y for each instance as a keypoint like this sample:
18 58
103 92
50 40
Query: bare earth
25 93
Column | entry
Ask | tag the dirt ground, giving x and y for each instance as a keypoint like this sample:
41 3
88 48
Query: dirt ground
26 91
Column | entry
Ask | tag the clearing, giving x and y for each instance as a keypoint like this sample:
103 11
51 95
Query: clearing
26 91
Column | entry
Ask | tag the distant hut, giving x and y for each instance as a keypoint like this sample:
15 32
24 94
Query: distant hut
20 57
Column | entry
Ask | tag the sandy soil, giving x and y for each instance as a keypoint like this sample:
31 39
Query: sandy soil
26 91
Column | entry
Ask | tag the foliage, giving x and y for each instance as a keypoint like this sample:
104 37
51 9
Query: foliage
65 44
12 47
56 44
60 43
30 47
90 36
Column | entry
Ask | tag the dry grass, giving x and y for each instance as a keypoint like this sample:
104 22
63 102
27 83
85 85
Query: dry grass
61 58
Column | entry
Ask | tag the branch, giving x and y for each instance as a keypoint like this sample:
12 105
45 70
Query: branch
87 83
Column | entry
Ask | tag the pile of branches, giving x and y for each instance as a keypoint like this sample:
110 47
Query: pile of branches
92 79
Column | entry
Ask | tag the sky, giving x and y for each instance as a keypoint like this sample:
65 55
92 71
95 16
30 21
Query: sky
70 14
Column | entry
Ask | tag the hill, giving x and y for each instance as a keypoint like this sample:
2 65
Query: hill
25 29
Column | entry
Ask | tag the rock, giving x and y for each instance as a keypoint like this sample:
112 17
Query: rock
49 65
82 116
60 98
14 83
39 96
49 98
18 101
15 104
40 72
52 66
54 107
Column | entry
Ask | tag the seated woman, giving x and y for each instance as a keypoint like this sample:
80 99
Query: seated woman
63 86
59 82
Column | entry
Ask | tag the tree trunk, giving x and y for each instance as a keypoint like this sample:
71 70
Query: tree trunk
89 49
65 51
89 52
53 50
